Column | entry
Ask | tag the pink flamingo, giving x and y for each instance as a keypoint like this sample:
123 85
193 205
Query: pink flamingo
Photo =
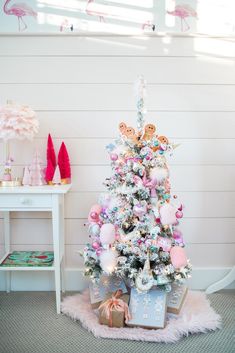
19 10
93 12
183 11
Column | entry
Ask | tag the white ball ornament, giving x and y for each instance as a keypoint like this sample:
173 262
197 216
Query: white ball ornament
108 260
160 174
107 233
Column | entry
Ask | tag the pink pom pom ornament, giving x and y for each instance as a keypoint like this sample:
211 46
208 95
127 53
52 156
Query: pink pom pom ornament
107 233
178 257
167 214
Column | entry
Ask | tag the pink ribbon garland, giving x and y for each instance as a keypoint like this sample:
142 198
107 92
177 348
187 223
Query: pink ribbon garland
151 184
116 304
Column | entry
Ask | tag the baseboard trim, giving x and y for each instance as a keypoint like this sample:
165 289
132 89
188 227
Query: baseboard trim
75 281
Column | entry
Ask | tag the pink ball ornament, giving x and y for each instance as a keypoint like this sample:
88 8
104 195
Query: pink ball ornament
167 214
179 214
176 233
94 213
98 251
107 233
95 245
113 156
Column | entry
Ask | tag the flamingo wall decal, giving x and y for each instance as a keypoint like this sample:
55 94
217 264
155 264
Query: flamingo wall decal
183 11
20 11
93 12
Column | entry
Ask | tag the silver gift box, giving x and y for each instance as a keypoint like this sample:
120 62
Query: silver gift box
148 310
176 298
107 284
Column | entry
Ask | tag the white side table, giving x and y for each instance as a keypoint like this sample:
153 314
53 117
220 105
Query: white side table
37 198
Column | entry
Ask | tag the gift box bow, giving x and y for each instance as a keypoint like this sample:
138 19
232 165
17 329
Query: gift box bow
115 303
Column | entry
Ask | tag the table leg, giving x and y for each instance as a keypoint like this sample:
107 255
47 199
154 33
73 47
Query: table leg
62 243
6 217
56 245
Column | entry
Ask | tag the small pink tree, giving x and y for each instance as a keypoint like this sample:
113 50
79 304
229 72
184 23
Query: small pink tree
36 173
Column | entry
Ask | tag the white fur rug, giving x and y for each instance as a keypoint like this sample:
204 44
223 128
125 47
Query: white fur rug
196 316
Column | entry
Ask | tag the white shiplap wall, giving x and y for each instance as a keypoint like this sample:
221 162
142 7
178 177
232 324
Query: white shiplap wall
81 88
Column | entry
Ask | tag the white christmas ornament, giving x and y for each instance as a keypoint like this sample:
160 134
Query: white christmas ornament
107 233
108 260
160 174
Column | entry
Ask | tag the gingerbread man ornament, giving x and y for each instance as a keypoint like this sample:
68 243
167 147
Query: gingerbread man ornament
149 131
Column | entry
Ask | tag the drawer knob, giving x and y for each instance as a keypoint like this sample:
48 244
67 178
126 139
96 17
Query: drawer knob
26 201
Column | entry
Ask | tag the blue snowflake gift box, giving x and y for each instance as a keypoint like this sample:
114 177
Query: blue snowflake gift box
106 285
148 310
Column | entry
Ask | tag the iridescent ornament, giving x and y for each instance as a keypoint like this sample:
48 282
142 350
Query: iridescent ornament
139 210
94 229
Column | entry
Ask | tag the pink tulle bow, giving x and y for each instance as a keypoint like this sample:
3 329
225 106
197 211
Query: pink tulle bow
151 184
117 304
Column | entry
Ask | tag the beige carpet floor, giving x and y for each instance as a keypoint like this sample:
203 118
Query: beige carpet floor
29 324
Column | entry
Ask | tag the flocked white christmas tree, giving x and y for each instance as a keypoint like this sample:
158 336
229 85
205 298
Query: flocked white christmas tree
133 227
36 173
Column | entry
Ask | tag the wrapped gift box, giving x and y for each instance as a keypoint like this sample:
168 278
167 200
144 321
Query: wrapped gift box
107 284
115 317
176 298
148 310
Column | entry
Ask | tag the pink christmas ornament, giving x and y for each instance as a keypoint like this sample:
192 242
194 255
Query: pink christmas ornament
167 214
95 245
107 233
178 257
179 214
94 213
177 235
164 243
180 208
113 156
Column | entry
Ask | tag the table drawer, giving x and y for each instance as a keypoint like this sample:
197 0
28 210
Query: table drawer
25 201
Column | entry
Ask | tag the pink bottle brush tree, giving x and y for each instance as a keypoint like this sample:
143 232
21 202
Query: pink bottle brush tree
51 160
64 164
